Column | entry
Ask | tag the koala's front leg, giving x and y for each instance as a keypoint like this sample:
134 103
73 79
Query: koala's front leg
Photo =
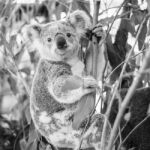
71 89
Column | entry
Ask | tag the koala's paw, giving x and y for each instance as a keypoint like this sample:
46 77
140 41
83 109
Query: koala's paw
99 32
89 85
90 82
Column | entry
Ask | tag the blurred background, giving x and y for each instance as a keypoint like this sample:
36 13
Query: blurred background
18 59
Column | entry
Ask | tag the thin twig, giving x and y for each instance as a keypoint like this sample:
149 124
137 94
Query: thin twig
121 131
139 124
131 5
132 73
70 8
108 110
123 63
114 19
131 89
108 9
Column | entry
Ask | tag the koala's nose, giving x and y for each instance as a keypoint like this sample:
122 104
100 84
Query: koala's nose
61 42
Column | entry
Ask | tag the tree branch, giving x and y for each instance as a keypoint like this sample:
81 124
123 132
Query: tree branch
94 54
111 102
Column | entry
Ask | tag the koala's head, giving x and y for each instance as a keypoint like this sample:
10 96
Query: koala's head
60 40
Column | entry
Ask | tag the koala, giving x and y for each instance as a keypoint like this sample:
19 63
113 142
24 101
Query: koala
59 85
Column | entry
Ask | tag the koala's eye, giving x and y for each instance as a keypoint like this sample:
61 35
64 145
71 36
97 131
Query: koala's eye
49 39
68 35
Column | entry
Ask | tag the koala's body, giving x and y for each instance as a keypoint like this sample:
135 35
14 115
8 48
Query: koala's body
58 85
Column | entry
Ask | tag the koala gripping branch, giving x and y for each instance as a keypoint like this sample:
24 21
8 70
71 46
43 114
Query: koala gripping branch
90 100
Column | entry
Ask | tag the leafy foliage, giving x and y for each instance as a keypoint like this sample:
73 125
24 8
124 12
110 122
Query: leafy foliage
18 61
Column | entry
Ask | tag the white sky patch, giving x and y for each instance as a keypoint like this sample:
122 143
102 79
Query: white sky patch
63 15
27 1
24 1
109 9
143 5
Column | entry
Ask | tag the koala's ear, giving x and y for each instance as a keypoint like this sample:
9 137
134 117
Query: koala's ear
80 20
32 32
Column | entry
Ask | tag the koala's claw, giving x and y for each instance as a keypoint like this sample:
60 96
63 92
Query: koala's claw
98 31
98 27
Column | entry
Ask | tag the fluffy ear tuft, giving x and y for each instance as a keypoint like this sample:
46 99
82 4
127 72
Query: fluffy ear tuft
80 20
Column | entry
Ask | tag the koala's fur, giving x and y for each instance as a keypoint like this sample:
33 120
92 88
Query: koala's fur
58 83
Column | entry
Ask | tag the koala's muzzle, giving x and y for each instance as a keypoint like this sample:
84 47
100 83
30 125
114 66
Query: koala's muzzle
61 42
